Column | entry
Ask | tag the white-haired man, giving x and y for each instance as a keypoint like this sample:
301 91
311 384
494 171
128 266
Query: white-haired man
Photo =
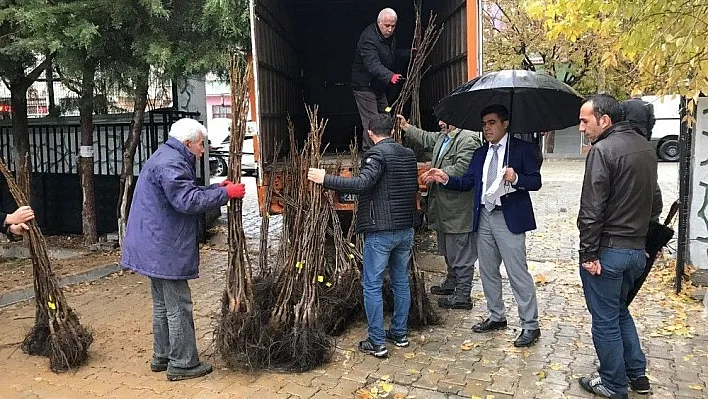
372 70
161 243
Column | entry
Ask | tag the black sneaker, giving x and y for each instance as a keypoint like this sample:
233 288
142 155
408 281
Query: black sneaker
371 348
157 365
178 373
594 386
640 385
447 287
400 341
455 302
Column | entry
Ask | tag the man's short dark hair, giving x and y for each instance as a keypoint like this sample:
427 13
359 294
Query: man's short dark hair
605 104
381 125
497 109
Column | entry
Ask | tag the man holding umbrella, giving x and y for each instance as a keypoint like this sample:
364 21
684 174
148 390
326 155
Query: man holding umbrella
502 173
613 220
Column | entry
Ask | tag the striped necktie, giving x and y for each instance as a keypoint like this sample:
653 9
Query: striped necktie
491 176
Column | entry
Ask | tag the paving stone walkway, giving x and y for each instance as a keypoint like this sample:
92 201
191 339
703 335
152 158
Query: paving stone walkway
447 361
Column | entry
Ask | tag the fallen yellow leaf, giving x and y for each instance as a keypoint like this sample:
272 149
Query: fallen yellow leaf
541 279
556 367
696 387
386 387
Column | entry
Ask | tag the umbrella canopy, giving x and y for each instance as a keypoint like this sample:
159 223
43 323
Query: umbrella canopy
537 102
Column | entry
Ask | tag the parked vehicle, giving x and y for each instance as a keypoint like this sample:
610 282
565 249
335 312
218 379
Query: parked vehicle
665 134
219 148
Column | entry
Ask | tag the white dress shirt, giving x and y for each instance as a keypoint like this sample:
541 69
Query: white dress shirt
501 168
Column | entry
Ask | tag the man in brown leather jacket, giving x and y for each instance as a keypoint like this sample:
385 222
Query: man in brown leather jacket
613 220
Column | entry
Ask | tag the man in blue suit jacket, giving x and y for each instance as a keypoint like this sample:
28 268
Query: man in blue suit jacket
502 172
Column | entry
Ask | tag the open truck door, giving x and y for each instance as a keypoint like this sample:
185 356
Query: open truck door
303 52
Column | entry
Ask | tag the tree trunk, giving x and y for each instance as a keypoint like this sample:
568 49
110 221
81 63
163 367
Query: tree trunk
52 105
550 142
20 130
86 153
127 180
18 85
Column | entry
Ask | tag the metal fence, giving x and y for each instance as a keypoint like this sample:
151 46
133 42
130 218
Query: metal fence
54 148
54 143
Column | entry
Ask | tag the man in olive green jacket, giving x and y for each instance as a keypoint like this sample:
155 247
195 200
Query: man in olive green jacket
450 213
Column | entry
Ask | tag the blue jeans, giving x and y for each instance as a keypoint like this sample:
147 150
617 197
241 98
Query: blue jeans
387 248
613 331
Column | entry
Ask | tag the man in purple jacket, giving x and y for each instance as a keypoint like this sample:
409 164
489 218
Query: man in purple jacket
161 243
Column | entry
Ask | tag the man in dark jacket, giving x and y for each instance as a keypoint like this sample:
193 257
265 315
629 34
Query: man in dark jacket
161 243
387 187
372 69
640 114
613 220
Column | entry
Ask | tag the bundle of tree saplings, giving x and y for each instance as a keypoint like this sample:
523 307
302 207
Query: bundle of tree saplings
422 313
57 332
240 326
296 304
423 43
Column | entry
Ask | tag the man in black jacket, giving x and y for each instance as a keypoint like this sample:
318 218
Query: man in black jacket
387 187
372 69
639 114
613 220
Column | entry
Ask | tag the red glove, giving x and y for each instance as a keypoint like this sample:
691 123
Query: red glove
225 183
396 78
235 190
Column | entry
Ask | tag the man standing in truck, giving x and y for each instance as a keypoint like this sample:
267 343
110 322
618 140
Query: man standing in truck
372 70
450 213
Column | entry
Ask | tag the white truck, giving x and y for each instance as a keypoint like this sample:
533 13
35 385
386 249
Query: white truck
665 135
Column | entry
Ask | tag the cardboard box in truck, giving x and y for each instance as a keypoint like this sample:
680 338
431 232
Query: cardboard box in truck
303 52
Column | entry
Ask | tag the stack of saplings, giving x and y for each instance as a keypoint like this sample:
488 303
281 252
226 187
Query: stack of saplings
57 332
285 317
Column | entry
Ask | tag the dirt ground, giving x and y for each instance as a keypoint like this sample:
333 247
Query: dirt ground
17 273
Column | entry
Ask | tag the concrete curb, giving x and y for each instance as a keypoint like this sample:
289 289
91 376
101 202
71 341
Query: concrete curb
13 297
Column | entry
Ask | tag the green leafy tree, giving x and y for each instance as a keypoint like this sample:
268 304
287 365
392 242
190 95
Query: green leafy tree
516 38
665 41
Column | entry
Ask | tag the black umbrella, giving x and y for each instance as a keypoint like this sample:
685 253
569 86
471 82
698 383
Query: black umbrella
657 237
536 101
